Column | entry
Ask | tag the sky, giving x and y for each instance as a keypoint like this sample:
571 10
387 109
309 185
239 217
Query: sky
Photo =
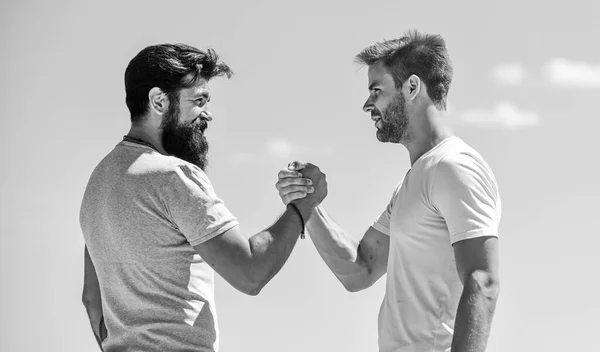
525 94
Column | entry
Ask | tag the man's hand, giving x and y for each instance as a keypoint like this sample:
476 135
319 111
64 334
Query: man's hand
249 264
310 185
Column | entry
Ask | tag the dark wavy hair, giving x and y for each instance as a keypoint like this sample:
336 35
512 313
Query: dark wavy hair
424 55
167 66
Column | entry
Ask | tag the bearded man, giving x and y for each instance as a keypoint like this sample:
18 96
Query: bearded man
153 225
437 239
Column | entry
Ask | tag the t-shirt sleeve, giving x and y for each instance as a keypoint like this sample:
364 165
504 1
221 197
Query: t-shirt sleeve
195 208
382 224
465 193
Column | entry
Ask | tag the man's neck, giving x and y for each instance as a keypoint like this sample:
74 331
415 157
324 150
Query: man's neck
431 131
147 135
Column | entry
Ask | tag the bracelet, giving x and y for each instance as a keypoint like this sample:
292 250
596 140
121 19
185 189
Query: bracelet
301 218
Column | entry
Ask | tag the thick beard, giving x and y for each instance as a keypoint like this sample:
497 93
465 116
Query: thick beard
186 142
394 122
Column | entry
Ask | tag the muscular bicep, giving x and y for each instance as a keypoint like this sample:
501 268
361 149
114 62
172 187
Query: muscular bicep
230 255
477 256
373 252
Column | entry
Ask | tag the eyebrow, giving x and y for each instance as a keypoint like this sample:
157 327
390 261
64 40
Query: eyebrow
372 85
204 94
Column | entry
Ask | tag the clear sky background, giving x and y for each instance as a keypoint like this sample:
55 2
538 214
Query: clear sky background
525 95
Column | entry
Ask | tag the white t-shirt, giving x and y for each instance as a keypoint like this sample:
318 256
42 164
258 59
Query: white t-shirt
449 195
141 214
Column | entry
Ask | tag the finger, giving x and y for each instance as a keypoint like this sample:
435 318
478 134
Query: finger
293 189
296 165
286 173
290 197
285 182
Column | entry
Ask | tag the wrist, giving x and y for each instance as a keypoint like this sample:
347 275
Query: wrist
294 208
306 210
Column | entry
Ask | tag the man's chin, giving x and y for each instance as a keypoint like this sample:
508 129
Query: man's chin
382 137
386 138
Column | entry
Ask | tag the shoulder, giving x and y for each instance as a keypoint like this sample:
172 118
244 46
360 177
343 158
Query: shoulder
464 175
167 173
166 167
460 161
176 169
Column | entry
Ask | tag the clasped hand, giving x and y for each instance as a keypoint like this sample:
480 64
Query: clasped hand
302 184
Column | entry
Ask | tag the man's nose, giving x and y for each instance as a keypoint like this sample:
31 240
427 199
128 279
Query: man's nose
369 106
205 114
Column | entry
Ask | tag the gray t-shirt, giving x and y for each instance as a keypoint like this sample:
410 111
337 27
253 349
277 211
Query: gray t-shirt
141 214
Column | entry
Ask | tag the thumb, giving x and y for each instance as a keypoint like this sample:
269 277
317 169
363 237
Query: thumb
296 165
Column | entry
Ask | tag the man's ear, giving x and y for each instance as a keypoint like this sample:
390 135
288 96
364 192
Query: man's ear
158 101
413 86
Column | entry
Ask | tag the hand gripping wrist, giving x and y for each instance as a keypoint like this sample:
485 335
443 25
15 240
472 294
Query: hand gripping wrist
293 206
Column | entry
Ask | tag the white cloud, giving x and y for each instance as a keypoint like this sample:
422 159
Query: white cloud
503 114
510 74
280 148
563 72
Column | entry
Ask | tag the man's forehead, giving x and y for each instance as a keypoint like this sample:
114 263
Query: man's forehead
379 74
199 88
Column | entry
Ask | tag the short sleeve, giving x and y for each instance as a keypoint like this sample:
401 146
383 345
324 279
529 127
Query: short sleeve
465 193
382 224
194 207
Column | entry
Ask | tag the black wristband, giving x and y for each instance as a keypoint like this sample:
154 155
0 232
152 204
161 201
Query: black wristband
301 218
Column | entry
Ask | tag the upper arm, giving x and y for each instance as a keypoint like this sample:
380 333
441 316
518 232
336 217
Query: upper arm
466 195
373 252
230 255
193 206
478 258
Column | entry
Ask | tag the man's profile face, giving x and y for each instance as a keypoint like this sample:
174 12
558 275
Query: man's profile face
184 123
387 106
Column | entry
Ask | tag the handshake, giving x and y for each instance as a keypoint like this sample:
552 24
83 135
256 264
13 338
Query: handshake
302 184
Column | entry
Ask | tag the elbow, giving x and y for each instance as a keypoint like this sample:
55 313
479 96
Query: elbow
353 288
86 300
356 283
253 283
90 302
253 291
357 280
486 283
253 288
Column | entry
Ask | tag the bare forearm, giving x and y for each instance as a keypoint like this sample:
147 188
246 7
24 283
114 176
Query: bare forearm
338 249
271 248
474 317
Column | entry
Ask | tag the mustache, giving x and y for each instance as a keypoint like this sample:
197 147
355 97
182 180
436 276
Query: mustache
199 124
375 112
